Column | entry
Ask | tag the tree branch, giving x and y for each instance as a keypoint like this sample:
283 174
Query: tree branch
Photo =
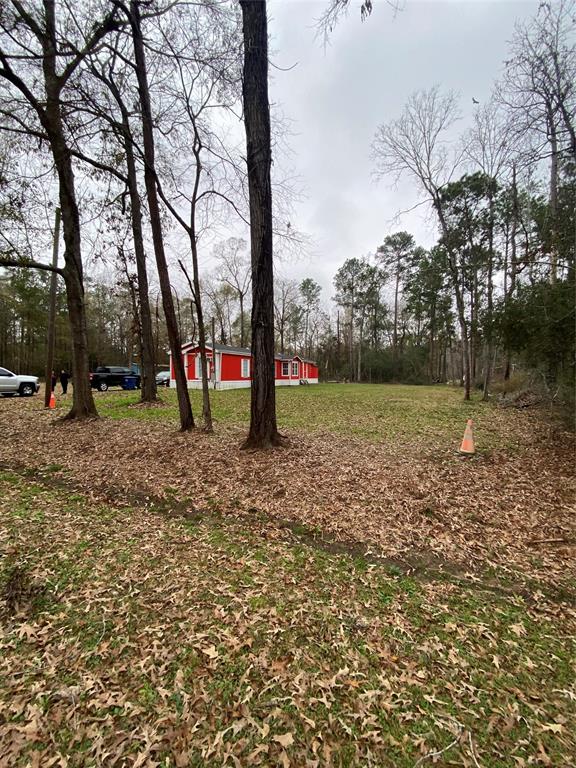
29 264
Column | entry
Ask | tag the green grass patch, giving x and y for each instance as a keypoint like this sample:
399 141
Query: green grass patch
195 642
373 411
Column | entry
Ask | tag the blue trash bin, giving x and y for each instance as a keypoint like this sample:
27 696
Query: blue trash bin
129 382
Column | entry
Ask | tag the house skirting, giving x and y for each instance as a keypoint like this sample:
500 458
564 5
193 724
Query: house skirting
294 382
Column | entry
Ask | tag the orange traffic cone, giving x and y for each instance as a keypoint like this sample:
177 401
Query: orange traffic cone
467 447
52 400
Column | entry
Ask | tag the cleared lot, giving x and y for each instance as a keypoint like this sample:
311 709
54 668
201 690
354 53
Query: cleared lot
344 601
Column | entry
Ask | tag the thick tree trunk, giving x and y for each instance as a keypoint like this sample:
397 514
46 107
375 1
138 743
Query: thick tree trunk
263 430
184 407
82 403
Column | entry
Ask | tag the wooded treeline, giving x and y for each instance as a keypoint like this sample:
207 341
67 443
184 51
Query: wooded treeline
125 116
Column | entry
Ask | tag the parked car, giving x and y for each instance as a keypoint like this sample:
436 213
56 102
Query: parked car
14 384
106 376
163 379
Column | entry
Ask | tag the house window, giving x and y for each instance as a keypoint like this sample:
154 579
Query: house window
245 368
285 369
295 369
198 368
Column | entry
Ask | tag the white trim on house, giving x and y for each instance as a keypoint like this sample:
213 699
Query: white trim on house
197 384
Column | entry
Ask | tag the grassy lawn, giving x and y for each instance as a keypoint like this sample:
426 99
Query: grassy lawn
373 411
169 600
132 639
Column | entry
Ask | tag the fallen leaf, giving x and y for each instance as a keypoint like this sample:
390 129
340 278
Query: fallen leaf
285 739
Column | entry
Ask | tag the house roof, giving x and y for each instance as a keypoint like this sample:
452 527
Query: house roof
219 348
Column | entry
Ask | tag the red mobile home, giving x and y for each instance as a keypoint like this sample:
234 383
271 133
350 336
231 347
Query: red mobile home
231 368
292 369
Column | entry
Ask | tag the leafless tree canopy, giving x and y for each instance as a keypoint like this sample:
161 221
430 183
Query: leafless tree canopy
419 143
539 86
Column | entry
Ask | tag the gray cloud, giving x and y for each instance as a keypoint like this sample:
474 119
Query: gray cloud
337 96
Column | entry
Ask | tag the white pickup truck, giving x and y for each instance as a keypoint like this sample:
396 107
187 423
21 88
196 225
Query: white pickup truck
12 384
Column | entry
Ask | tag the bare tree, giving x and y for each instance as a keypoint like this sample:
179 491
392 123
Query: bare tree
285 308
491 144
103 97
539 91
184 406
417 145
236 271
222 304
490 147
202 46
37 63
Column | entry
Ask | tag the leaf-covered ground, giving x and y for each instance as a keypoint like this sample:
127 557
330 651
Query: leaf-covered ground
167 600
404 494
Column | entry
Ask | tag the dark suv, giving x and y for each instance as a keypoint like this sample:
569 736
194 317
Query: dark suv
108 376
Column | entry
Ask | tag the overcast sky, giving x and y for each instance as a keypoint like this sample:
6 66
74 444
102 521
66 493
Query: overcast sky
337 96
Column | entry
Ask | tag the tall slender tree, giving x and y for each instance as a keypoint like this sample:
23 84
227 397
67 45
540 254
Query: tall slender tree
184 406
395 254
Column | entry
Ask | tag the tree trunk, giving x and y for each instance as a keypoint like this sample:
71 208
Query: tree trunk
431 341
513 261
82 403
464 332
206 409
351 352
359 369
281 332
395 331
148 392
263 430
241 298
453 269
489 330
184 407
553 203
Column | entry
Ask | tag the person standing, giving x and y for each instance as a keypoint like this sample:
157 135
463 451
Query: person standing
54 380
64 379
